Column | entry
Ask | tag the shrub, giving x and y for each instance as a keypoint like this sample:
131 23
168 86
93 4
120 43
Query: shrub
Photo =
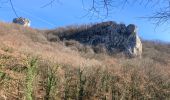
31 73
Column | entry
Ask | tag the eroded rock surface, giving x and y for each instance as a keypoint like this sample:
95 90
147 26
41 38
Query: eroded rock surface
113 37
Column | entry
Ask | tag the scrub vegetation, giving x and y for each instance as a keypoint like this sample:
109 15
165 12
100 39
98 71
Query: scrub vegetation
32 67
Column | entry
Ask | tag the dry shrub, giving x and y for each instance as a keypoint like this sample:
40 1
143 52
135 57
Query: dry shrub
132 79
63 73
158 51
65 31
75 45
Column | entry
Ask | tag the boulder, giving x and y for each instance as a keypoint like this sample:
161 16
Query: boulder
22 21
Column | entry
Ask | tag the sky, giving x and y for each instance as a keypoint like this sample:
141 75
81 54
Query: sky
72 12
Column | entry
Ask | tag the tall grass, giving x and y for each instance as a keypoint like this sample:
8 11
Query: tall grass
51 81
31 73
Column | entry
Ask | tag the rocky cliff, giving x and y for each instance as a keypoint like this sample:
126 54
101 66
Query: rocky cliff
111 36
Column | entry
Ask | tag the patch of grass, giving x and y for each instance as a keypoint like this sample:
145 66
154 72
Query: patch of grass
7 49
4 78
51 81
82 81
19 69
5 56
2 75
31 73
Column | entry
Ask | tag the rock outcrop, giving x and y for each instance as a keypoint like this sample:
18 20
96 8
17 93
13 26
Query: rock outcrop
111 36
133 44
22 21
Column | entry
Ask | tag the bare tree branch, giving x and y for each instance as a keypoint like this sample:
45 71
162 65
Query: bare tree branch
105 7
13 8
49 3
159 17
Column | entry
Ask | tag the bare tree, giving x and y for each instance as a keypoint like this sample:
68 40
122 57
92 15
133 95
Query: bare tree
161 15
105 7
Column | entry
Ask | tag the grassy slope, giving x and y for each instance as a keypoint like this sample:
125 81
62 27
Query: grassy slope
31 67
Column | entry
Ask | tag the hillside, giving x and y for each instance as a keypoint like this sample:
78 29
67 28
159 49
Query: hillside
37 66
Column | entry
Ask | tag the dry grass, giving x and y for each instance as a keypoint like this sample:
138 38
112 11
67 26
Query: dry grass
33 42
73 73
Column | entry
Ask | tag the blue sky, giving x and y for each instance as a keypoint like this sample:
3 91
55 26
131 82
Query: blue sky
70 12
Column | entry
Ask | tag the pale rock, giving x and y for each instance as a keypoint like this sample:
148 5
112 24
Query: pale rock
22 21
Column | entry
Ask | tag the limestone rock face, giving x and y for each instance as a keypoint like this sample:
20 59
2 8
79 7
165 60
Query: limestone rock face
114 37
133 45
22 21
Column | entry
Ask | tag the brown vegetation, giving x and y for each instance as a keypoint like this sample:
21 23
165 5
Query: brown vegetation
33 68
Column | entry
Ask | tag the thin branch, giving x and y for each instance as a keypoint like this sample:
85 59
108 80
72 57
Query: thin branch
49 3
104 7
13 8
